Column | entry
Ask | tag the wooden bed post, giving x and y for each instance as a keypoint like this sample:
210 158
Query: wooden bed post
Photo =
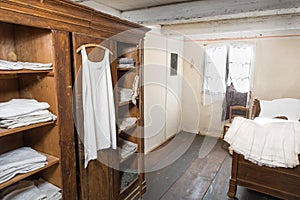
232 182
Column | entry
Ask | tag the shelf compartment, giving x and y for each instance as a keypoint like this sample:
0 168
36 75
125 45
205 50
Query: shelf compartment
51 161
4 132
127 179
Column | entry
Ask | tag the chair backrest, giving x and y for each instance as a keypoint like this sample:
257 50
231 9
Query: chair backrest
240 111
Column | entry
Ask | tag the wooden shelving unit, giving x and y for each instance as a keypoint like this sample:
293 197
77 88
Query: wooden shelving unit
134 133
40 45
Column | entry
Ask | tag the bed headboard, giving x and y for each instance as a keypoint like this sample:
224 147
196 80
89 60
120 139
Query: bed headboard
285 107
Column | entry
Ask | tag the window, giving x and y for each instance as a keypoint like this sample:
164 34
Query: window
215 69
231 64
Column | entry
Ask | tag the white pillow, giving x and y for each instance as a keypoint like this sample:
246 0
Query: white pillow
267 109
281 107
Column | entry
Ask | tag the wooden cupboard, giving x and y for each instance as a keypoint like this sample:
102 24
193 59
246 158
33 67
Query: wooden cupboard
50 31
30 44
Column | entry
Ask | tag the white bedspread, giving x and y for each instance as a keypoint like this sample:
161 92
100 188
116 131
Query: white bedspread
270 142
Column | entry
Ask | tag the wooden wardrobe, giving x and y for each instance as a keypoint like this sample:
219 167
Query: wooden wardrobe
50 31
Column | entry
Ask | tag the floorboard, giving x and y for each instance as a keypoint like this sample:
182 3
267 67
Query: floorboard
194 177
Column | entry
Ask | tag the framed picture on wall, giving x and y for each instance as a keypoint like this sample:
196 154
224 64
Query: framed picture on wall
174 64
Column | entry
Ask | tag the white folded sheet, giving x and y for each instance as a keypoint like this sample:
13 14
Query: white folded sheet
127 148
26 121
18 107
24 190
21 160
274 143
13 171
31 190
10 65
50 190
123 123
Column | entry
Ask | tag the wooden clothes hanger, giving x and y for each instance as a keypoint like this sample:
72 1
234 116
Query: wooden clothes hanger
93 45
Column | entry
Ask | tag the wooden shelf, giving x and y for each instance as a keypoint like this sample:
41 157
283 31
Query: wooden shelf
51 161
24 71
4 132
125 68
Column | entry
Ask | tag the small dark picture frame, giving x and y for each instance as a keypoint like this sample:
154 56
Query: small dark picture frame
174 64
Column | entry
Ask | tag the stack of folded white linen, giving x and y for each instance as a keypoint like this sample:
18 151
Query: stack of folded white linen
126 94
20 161
123 123
31 190
125 63
127 148
9 65
274 143
23 112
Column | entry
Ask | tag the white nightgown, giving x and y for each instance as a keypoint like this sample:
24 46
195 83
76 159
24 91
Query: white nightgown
98 106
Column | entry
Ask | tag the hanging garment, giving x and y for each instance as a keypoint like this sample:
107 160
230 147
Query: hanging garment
98 106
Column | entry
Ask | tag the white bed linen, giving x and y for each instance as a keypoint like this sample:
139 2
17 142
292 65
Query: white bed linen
31 190
19 107
270 142
21 160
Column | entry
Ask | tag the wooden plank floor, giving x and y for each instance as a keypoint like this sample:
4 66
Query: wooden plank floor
192 177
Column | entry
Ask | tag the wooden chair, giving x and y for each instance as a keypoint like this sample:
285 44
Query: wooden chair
234 111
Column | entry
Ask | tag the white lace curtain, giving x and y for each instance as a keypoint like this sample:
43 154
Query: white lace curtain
240 61
238 58
215 69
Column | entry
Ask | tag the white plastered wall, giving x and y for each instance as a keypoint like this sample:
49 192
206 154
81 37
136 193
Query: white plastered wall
162 92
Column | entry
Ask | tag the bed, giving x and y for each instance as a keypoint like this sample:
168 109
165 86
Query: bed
281 182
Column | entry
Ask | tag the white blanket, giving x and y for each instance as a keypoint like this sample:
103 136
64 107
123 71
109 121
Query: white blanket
274 143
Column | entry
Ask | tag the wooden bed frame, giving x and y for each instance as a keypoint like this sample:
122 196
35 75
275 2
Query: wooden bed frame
278 182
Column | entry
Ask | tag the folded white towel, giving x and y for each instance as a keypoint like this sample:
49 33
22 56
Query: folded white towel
36 66
31 190
127 148
50 190
123 123
21 160
18 107
10 65
13 171
26 121
24 190
125 94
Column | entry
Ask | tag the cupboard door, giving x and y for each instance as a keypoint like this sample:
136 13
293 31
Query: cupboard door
65 118
97 181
